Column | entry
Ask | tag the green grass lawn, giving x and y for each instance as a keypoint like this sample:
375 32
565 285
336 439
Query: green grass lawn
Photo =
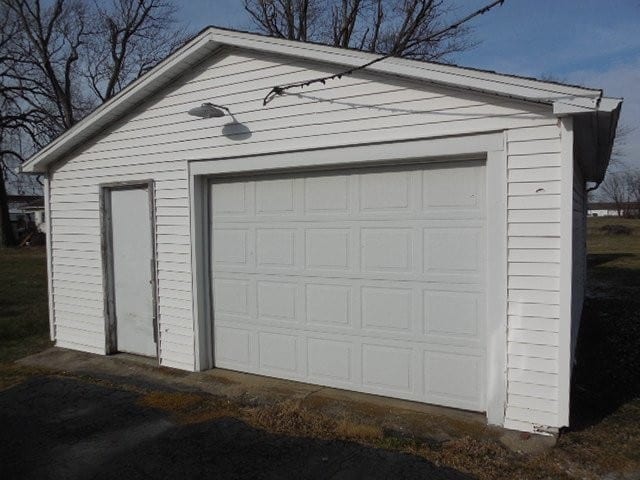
605 392
24 315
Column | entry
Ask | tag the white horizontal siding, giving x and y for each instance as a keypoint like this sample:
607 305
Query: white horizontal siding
157 139
533 276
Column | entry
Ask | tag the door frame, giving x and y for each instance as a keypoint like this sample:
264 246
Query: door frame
106 246
489 147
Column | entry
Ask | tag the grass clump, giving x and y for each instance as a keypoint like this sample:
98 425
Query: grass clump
24 311
616 229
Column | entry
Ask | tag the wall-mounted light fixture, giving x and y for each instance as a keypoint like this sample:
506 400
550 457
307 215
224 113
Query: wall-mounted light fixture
209 110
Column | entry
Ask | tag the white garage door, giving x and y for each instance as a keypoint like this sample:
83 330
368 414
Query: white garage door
369 280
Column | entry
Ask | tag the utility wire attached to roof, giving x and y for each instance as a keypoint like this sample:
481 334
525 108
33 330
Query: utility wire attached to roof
280 89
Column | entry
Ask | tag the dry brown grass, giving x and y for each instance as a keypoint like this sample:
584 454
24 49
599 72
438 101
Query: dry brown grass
12 374
290 418
358 431
190 408
170 401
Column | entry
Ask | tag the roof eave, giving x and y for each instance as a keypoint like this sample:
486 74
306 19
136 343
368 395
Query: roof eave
594 136
566 100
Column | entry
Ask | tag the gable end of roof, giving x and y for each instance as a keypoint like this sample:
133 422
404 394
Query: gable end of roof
565 99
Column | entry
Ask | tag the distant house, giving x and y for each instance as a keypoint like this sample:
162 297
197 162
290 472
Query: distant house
26 213
34 210
413 230
611 209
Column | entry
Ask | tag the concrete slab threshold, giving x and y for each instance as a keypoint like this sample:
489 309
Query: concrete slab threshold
401 418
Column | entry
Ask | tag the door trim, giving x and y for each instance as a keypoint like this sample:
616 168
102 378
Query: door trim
111 337
490 147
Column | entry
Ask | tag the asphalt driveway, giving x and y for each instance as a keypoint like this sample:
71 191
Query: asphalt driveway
63 428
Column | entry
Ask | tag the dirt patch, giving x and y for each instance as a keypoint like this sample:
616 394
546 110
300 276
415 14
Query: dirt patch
171 401
12 374
224 380
190 408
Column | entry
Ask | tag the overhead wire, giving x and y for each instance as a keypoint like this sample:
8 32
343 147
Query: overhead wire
281 89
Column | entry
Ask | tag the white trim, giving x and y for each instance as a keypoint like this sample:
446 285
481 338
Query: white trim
565 99
496 317
566 270
489 146
199 220
357 154
47 219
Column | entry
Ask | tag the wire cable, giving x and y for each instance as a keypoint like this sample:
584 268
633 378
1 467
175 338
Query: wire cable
280 89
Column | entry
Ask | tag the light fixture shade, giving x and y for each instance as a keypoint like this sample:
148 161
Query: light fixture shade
207 110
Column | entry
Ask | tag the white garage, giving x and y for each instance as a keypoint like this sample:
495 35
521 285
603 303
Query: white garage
413 230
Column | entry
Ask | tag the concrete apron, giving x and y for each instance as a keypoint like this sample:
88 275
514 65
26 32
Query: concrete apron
396 418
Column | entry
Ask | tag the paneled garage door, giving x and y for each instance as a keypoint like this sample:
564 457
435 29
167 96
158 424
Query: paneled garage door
369 280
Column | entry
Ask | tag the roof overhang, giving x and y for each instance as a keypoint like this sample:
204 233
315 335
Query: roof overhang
564 99
594 134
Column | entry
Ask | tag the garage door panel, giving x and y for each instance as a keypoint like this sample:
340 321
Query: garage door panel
440 252
365 280
385 191
454 186
231 296
231 246
388 309
386 249
381 307
453 250
330 360
443 374
229 199
275 247
438 280
329 304
278 352
277 300
453 314
327 195
275 197
387 367
233 345
453 379
328 248
354 333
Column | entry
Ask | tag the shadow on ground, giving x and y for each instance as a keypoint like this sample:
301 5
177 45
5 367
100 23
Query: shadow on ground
597 259
54 427
607 372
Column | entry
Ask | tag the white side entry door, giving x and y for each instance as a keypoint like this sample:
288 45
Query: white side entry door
132 270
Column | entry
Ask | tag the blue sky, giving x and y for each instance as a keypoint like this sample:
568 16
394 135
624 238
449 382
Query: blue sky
595 43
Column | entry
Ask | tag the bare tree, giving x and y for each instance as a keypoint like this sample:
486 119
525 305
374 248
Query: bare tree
60 59
128 40
622 188
407 28
288 19
633 189
619 151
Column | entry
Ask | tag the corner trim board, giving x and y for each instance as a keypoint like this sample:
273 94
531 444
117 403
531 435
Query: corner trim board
49 252
566 270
